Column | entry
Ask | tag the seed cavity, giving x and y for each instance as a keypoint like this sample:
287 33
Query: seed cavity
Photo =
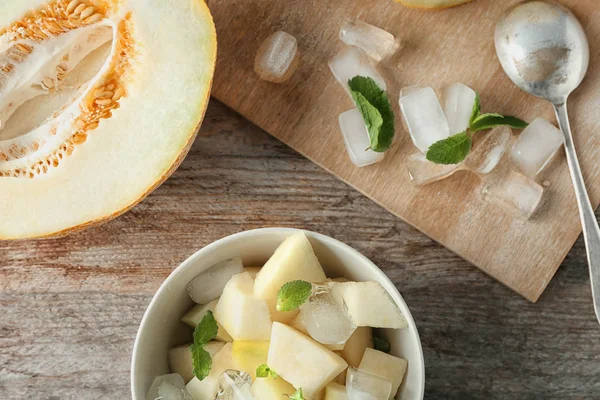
47 146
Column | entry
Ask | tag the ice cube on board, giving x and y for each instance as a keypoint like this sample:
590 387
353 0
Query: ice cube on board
487 153
422 171
209 284
535 147
351 62
512 191
361 385
324 319
377 43
424 117
235 385
356 139
168 387
458 106
277 58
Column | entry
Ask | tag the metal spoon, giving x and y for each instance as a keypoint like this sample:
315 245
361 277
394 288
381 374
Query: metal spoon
544 50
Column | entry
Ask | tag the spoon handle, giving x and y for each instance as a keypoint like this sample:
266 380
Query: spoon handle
591 232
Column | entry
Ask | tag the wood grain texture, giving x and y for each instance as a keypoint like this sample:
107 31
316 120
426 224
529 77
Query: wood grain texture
439 48
70 307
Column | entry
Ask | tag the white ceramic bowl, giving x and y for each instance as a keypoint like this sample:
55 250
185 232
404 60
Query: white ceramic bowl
161 329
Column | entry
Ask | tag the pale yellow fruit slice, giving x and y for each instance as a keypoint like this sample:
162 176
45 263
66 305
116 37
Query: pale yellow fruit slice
301 361
294 259
197 313
207 388
432 4
249 355
243 315
335 391
385 365
100 101
181 361
272 388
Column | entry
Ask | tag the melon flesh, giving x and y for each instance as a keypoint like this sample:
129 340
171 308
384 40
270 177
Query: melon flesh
294 259
301 361
100 101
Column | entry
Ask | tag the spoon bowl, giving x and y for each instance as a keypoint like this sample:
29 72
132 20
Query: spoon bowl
543 49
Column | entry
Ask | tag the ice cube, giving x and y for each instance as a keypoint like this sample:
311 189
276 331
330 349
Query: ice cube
424 117
422 171
535 147
356 138
364 386
488 152
512 191
324 319
352 62
277 58
375 42
168 387
209 285
235 385
458 106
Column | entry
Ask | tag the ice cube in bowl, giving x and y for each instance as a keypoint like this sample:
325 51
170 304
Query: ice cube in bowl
161 330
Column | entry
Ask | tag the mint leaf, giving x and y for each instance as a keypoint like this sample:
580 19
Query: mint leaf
299 395
292 295
372 117
263 371
476 109
381 344
368 95
451 150
487 121
204 332
202 361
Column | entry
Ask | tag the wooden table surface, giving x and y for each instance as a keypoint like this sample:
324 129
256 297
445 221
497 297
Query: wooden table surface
70 307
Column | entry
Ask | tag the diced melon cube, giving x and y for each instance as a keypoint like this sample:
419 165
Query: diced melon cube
195 315
341 279
243 315
207 388
247 355
368 304
272 389
385 365
181 362
285 317
298 324
294 259
253 271
335 391
354 349
301 361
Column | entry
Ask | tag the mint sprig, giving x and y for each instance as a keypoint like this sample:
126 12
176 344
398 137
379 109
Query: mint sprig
263 371
381 344
204 332
449 150
375 107
299 395
292 295
456 148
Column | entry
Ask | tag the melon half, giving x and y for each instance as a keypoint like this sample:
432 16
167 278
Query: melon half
100 100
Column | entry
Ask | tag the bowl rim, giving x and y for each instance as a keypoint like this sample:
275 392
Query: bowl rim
285 230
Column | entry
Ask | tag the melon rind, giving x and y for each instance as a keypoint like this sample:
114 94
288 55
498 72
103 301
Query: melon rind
145 140
432 4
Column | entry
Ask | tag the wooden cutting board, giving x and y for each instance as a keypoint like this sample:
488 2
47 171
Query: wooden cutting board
439 47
